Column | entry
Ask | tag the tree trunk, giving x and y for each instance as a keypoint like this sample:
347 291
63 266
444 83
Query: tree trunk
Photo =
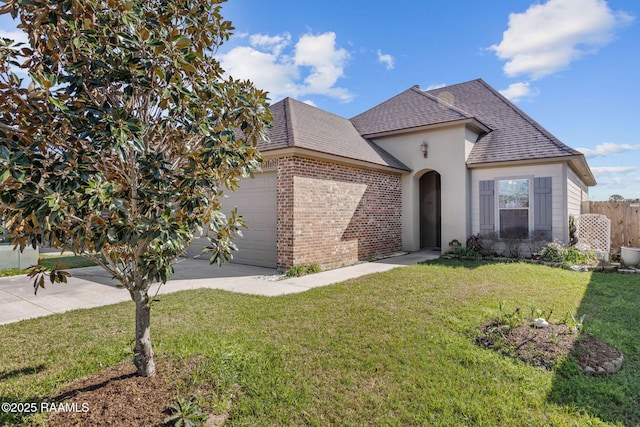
143 352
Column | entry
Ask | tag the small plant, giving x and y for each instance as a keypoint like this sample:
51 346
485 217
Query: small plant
488 243
302 270
514 243
573 324
512 320
474 243
556 252
572 255
544 314
466 252
553 252
537 242
185 413
573 238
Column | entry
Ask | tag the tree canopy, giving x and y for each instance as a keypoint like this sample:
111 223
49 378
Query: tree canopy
119 133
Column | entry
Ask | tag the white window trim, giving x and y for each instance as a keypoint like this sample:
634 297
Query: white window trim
496 200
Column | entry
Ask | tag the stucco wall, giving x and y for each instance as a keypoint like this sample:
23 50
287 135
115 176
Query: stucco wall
332 214
556 171
447 152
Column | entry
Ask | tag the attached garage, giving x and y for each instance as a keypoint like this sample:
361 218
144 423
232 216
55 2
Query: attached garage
256 202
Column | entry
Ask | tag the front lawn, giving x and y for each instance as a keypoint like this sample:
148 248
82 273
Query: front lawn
50 260
394 348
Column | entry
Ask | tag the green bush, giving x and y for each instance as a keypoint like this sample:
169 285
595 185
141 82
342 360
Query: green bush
467 252
553 252
556 252
302 270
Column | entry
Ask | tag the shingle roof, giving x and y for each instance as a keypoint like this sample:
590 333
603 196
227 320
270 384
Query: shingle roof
511 135
297 124
514 135
410 109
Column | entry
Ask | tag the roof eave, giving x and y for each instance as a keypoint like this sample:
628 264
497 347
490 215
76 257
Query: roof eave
580 166
577 162
321 155
472 123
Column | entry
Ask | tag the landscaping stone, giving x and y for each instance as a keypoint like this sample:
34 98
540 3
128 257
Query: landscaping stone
610 367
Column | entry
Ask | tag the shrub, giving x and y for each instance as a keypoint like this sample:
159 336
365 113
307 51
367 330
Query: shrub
556 252
553 252
513 242
474 243
302 270
488 243
466 252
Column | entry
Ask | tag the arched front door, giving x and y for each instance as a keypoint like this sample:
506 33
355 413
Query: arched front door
430 211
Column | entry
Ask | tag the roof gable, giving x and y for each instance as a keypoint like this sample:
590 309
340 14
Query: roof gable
408 110
514 136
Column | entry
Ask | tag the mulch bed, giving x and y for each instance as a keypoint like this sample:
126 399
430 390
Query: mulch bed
545 346
118 397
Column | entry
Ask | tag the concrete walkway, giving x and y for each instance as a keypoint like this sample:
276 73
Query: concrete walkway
93 287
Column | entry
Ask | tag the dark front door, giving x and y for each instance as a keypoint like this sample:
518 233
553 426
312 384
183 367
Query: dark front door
430 210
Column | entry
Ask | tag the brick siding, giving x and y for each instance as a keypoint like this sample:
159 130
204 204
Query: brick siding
333 214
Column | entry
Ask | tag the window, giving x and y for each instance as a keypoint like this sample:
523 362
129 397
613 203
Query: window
513 207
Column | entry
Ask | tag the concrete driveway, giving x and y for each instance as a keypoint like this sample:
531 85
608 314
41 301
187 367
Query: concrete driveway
92 286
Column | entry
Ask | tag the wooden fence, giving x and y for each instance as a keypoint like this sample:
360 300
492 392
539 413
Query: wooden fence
625 221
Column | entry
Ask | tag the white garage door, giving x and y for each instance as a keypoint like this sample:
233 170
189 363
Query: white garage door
256 202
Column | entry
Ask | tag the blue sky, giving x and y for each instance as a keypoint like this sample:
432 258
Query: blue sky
569 64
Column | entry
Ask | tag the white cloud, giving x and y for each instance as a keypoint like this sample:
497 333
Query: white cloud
608 149
626 185
435 86
17 36
327 65
547 37
312 66
266 70
516 91
386 59
274 44
607 170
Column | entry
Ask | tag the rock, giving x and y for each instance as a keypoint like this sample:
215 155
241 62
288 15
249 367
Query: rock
609 367
618 363
589 370
541 323
601 370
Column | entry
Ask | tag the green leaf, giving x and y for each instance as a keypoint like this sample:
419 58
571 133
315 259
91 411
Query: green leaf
4 175
183 42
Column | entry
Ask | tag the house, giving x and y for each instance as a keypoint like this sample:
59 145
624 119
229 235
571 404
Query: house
420 170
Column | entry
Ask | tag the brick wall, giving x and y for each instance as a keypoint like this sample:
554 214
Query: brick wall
333 214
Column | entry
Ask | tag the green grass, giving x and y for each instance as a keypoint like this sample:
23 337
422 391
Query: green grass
66 261
394 348
6 272
50 260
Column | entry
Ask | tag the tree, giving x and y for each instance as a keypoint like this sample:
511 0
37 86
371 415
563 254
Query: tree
123 137
616 198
